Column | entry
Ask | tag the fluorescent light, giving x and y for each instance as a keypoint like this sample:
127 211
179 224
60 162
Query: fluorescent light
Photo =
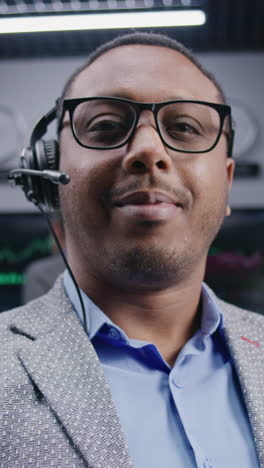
78 22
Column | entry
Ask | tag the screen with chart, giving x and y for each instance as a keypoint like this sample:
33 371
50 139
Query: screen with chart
23 238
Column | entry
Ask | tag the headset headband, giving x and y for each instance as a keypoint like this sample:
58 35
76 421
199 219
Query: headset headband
41 128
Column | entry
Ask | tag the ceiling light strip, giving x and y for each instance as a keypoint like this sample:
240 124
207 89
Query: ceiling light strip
75 22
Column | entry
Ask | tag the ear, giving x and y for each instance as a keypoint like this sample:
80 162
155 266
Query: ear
230 169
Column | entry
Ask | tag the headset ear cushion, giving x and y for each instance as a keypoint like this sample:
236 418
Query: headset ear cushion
52 154
52 158
46 156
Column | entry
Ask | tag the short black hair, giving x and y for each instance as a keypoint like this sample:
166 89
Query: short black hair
135 38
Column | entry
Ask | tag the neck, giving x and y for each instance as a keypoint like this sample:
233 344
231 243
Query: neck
166 318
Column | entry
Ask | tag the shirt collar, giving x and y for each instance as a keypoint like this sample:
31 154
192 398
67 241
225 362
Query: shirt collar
96 318
211 313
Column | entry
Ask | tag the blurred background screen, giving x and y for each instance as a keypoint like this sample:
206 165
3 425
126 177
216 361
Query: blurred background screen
235 266
23 239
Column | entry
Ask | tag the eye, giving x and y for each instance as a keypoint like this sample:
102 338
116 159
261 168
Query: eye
104 125
182 128
103 130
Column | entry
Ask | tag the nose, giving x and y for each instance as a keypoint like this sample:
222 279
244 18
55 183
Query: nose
146 151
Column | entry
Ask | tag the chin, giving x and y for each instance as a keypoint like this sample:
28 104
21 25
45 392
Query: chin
146 268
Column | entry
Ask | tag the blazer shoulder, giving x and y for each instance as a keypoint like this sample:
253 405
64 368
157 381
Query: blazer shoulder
8 320
8 316
233 314
37 316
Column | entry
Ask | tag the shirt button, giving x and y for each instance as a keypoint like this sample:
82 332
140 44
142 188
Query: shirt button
176 383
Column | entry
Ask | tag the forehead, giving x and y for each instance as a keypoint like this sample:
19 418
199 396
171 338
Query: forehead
144 73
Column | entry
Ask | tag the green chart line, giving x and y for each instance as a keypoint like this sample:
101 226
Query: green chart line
37 246
11 279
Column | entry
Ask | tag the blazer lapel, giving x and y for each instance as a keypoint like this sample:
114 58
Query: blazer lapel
244 333
64 366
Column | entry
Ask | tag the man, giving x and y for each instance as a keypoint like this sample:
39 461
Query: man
167 374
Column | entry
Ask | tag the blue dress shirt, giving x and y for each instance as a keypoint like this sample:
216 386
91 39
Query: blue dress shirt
185 416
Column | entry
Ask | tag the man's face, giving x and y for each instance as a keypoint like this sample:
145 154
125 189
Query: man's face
143 215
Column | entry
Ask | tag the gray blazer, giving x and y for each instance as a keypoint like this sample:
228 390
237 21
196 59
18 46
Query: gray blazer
56 409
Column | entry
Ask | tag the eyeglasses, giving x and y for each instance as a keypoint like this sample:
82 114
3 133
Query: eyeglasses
186 126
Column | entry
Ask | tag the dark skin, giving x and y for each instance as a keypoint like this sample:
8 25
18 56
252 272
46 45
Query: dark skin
144 270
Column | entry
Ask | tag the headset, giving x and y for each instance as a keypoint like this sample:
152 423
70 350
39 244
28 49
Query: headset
41 160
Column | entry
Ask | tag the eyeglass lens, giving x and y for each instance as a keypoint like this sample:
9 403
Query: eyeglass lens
184 126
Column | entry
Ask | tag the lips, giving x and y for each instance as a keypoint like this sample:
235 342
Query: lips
147 206
146 198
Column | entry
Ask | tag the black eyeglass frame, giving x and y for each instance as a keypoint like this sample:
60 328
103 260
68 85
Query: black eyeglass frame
223 111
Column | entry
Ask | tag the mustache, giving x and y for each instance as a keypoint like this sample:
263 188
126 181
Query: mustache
155 184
